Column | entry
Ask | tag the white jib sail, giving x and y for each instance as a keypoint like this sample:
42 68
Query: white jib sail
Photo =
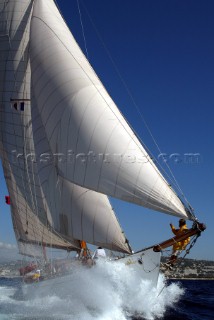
80 213
84 125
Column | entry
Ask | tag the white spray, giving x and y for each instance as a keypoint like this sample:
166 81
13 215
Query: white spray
105 292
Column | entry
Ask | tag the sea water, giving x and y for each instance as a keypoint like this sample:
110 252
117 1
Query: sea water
105 292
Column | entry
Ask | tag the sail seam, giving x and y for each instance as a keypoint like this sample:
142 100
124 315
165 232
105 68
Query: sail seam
137 143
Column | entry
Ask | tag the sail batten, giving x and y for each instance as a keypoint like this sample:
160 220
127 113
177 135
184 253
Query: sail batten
107 156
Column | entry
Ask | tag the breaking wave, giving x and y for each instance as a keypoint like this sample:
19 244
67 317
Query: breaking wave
105 292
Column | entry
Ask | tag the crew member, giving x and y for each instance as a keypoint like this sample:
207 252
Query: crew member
100 252
36 275
180 245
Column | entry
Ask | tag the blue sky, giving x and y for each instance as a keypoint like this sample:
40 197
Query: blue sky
164 51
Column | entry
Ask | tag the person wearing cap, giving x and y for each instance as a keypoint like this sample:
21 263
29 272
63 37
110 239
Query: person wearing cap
180 245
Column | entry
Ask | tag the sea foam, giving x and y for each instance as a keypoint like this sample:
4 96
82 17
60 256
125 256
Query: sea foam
108 291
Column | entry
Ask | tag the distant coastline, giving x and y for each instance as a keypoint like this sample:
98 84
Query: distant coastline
197 279
186 269
190 269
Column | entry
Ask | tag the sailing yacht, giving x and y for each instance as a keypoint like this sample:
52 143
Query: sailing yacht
65 146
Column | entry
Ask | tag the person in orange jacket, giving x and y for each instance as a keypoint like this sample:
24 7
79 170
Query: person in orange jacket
180 245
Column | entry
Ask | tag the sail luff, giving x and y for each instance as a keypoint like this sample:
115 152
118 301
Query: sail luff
107 156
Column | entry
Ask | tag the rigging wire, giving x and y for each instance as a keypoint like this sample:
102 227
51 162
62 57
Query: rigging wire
83 33
100 93
175 182
187 250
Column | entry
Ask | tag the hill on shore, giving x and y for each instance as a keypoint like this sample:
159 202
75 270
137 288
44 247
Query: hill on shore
190 268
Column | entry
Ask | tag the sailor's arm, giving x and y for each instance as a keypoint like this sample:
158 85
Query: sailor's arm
175 231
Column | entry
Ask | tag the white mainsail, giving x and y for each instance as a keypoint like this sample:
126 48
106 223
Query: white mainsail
30 250
27 226
64 144
31 218
47 210
84 125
